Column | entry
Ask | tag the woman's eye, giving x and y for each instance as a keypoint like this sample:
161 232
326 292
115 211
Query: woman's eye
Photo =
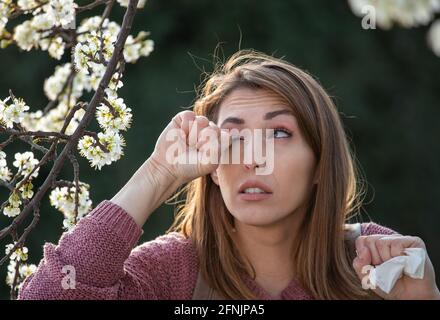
281 133
236 139
278 133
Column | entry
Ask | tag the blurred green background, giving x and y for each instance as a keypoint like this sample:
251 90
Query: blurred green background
385 83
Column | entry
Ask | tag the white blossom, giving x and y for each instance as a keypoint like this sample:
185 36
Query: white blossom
54 119
88 25
5 8
62 12
89 42
26 4
147 47
114 84
113 141
11 272
27 269
24 270
42 22
136 47
16 110
13 207
434 37
26 163
31 120
407 13
3 120
124 3
13 112
55 83
26 36
5 174
3 162
56 48
11 211
26 190
35 33
108 121
63 199
131 49
90 52
20 254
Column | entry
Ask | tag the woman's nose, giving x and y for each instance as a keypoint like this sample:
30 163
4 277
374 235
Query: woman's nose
253 165
249 156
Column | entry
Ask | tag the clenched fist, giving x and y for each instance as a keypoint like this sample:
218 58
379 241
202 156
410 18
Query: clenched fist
376 249
189 147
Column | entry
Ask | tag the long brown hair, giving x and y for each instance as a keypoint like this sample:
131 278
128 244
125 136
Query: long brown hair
322 263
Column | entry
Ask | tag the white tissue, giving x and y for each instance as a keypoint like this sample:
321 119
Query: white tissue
386 274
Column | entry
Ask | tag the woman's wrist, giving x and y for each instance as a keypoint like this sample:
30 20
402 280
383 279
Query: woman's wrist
146 190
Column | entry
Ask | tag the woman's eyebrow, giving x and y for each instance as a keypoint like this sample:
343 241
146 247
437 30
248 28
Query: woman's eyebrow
267 116
273 114
234 120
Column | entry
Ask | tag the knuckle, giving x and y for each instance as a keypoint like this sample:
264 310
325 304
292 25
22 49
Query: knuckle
397 243
370 240
381 244
419 241
187 114
360 241
202 120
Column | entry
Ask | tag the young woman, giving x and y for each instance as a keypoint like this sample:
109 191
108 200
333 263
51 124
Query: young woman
240 235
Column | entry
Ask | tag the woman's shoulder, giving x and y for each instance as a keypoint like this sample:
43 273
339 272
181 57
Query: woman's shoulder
172 245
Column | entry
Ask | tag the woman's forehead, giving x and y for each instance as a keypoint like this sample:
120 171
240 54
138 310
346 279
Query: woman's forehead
251 103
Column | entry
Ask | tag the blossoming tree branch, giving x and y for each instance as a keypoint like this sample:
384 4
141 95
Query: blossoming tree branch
98 49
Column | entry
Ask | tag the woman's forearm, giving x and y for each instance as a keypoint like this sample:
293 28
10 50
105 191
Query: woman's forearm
146 190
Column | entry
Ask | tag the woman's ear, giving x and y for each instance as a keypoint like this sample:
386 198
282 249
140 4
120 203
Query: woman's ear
214 176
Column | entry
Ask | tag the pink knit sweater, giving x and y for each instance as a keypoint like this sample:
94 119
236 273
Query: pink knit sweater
100 248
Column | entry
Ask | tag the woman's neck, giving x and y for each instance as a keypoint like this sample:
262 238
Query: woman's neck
270 251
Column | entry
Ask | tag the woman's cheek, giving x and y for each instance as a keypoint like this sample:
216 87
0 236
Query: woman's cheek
294 172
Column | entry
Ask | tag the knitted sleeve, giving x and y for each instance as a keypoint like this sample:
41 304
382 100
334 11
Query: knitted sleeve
370 228
92 261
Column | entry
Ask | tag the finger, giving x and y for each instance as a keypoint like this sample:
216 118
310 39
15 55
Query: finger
196 127
182 120
215 127
369 242
362 265
225 143
362 260
210 134
202 122
383 246
399 244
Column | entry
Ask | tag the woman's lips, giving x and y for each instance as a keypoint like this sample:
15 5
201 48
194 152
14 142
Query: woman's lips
254 196
252 183
264 192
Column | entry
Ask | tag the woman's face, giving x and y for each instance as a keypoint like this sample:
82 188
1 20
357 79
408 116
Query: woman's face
289 184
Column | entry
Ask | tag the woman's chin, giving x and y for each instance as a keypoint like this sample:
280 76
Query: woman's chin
255 218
